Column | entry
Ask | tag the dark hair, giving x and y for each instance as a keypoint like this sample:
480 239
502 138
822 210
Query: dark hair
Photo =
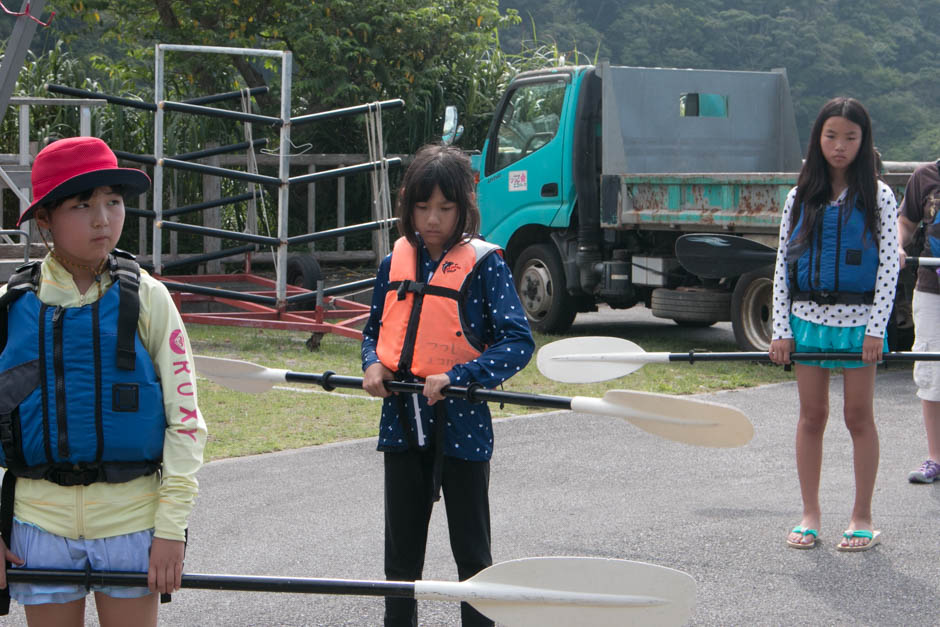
82 196
447 168
814 188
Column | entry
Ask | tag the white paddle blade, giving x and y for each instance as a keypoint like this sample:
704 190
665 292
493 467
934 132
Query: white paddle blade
589 359
572 591
687 420
241 376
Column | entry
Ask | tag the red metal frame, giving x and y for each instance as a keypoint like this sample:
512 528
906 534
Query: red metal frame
260 316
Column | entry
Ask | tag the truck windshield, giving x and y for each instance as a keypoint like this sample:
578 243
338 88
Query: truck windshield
530 120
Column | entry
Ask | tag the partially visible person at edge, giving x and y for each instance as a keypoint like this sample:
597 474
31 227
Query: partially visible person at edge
834 283
921 206
110 484
444 311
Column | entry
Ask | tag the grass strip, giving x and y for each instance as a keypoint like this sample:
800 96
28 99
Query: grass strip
290 417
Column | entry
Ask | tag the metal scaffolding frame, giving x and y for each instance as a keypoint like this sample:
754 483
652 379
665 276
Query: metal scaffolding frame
259 307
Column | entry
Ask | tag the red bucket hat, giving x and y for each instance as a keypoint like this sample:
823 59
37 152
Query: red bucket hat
76 164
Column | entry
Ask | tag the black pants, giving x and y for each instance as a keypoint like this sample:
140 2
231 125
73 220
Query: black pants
408 504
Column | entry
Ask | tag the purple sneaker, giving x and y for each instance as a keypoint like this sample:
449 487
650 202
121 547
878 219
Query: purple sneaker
927 472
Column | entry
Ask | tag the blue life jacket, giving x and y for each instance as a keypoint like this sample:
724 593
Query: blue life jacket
933 230
838 262
80 400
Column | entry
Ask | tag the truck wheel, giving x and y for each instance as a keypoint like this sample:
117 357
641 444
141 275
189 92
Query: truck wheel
752 310
540 282
692 306
303 271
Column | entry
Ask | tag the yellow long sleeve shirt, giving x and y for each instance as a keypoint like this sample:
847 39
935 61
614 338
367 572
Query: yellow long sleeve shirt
162 501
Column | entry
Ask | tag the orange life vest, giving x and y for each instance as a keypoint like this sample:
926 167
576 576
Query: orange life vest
422 330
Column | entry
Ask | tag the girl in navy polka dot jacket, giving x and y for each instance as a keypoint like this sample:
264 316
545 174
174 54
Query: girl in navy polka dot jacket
834 282
445 311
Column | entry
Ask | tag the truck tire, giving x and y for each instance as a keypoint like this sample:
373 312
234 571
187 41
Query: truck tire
693 306
540 282
752 310
303 271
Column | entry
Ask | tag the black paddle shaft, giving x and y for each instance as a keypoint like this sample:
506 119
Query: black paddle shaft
693 356
241 583
473 393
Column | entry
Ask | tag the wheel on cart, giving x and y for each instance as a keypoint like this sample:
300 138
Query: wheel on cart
303 271
540 281
752 310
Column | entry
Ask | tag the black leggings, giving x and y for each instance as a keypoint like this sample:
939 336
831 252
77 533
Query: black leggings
408 504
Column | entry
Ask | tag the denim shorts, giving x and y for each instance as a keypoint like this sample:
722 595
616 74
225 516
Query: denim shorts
41 549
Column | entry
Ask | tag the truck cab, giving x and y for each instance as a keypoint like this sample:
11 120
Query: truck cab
527 192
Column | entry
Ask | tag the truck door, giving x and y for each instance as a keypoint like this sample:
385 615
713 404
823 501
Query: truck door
521 178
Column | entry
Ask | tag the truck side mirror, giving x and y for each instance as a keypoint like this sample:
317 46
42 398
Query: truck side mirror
452 130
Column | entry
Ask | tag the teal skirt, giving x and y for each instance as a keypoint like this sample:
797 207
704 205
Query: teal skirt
811 337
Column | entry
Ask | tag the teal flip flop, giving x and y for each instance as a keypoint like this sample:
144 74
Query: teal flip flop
804 532
874 537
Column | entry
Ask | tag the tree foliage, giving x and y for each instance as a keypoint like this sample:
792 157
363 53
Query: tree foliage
345 52
886 53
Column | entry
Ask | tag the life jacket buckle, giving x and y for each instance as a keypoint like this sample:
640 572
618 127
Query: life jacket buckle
6 429
409 286
74 476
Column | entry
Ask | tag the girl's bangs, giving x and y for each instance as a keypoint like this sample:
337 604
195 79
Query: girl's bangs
436 175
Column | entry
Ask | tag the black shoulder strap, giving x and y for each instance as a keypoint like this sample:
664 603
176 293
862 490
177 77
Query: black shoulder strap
25 278
126 272
6 530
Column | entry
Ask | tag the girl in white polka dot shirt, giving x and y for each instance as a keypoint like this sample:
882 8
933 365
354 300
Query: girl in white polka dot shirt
834 283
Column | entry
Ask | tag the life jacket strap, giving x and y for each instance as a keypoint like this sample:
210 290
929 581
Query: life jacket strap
8 443
437 469
421 289
87 473
124 267
406 423
834 298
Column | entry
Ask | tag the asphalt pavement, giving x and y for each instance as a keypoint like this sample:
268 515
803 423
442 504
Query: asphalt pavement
575 484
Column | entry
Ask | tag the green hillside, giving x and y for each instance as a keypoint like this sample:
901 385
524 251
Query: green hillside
886 53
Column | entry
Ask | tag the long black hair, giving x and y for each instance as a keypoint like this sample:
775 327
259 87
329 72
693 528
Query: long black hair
447 168
814 187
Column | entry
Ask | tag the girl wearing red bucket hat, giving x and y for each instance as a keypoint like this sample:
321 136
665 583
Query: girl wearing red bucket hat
102 435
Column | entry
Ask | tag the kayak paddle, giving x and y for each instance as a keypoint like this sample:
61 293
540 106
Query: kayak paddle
679 419
517 593
592 359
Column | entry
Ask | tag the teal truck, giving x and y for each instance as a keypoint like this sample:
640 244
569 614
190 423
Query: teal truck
589 174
